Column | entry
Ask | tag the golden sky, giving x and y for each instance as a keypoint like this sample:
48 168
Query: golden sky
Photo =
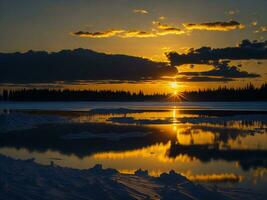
147 29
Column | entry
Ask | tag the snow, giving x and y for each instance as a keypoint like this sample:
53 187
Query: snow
29 180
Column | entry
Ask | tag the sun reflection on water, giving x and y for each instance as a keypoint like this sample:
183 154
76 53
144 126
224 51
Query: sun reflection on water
157 154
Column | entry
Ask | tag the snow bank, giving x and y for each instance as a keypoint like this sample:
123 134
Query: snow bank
28 180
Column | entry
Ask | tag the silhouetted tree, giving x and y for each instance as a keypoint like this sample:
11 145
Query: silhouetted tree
247 93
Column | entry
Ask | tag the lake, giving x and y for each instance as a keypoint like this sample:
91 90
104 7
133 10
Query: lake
223 143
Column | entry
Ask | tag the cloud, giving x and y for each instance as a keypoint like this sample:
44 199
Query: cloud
138 34
245 51
119 33
165 29
262 29
223 70
215 26
171 31
254 23
232 12
161 30
104 34
140 11
78 65
202 79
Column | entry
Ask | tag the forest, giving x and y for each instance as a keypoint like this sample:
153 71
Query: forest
247 93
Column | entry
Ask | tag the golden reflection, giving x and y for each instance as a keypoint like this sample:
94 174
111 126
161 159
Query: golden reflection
174 116
224 177
235 131
156 152
230 134
194 137
258 174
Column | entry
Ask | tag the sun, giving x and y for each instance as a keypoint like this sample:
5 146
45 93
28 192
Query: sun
174 85
175 93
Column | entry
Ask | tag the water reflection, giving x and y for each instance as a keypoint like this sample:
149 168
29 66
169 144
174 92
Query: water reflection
205 146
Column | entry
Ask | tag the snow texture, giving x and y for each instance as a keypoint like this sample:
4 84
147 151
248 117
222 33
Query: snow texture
28 180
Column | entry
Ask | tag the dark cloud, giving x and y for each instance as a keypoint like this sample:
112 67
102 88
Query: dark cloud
245 51
215 26
203 79
76 65
223 70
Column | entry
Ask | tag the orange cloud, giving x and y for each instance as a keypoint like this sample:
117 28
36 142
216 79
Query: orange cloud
104 34
215 26
161 30
171 31
254 23
165 29
262 29
138 34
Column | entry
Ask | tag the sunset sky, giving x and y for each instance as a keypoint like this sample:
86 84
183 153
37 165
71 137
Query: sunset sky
142 28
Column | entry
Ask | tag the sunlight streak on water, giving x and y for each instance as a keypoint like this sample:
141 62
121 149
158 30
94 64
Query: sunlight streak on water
225 148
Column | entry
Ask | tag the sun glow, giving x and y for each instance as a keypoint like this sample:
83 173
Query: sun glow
175 93
174 85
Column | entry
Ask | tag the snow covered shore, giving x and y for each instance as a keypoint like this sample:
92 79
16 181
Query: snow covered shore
28 180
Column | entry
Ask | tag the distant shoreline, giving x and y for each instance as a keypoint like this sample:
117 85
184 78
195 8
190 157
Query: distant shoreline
133 100
221 94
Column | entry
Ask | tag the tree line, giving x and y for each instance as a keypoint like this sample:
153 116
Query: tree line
76 95
247 93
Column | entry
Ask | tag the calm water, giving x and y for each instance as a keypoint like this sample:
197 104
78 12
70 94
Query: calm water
219 143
